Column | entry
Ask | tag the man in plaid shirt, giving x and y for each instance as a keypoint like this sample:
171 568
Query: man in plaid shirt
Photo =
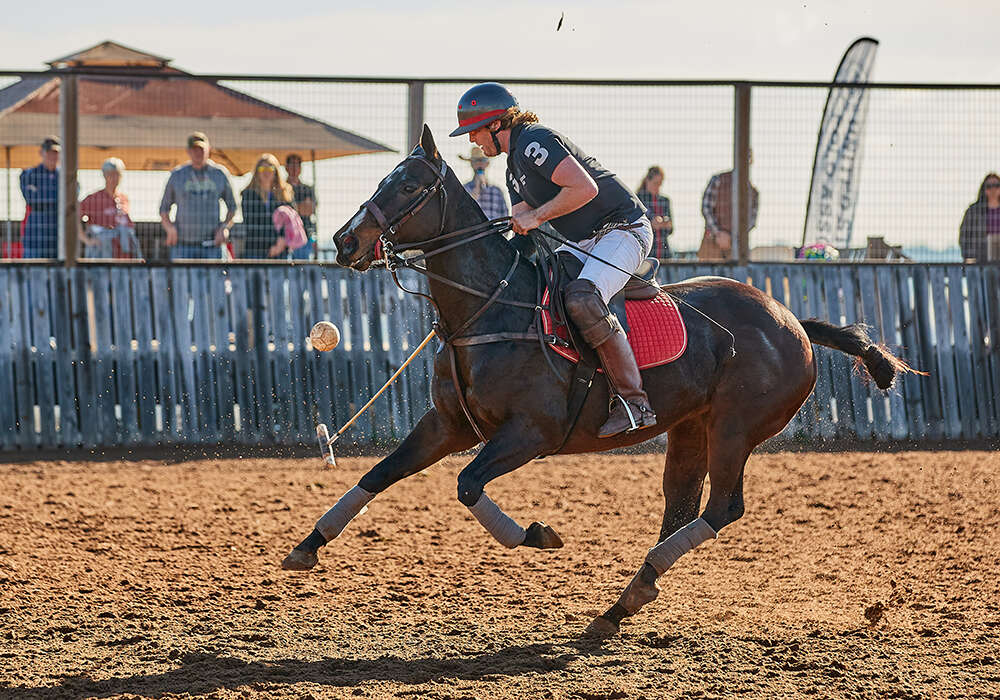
490 197
717 208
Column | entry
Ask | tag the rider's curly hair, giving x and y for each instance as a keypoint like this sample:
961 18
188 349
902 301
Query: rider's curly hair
515 117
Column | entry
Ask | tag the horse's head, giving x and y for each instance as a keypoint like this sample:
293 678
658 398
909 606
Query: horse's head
408 207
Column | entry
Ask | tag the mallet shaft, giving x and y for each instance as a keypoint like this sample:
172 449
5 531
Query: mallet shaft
384 387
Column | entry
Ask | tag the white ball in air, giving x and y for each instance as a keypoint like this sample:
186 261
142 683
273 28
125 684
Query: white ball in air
324 336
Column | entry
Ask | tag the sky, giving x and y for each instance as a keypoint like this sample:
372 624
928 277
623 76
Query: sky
949 140
768 39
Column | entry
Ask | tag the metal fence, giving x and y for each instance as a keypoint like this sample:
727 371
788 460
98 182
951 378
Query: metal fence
927 148
105 355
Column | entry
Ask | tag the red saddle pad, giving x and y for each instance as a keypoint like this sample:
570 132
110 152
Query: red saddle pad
656 331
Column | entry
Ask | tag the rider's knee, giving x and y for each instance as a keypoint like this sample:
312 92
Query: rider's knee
588 311
469 489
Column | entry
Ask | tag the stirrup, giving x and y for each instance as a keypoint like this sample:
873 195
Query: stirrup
633 426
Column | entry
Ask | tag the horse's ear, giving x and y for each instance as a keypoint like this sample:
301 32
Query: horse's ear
427 143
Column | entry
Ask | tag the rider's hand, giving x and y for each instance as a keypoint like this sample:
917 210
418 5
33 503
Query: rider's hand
525 221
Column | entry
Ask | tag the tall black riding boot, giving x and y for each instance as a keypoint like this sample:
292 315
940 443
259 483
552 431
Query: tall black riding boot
629 409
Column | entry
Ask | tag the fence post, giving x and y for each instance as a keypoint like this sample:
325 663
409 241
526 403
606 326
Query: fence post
8 236
741 174
69 122
415 113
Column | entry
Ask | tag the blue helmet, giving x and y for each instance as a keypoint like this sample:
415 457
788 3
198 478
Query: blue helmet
482 104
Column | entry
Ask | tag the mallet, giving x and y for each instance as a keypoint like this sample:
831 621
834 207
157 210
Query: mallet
323 435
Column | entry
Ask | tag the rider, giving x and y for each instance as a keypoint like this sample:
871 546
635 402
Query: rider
550 179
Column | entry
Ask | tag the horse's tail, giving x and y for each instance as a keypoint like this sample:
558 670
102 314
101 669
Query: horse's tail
881 364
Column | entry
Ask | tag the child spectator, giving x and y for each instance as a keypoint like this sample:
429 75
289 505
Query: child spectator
305 205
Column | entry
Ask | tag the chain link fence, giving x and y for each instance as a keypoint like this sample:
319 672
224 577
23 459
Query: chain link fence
926 152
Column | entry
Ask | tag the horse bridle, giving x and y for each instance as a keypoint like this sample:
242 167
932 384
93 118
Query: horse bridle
386 243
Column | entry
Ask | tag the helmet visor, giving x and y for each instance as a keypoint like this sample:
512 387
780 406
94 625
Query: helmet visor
472 123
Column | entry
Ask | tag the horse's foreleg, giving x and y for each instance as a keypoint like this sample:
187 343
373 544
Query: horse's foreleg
428 442
727 456
510 447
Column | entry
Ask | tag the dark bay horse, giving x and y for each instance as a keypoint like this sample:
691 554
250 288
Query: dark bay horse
722 398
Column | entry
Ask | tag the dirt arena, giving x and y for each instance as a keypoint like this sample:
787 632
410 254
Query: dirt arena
852 575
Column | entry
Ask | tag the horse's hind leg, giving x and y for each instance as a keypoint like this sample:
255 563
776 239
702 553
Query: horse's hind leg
728 451
683 480
429 441
683 474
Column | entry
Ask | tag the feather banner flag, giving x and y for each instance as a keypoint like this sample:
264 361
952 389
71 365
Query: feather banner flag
833 192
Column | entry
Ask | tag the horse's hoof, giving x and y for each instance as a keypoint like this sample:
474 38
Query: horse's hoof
637 594
298 560
601 628
541 536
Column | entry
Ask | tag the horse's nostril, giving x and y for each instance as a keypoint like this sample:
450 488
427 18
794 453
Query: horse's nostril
349 244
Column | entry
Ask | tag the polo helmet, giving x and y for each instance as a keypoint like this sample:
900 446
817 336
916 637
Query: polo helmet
482 104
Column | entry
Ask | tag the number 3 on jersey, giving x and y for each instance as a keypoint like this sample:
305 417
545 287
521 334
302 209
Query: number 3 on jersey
536 152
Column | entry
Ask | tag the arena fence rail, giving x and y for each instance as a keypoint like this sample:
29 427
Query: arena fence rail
106 355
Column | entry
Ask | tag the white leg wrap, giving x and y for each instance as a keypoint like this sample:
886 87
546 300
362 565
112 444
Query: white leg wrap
506 531
662 556
350 504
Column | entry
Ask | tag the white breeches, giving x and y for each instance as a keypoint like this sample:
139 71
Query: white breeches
624 248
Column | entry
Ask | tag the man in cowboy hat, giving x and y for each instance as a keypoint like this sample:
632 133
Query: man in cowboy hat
550 179
490 197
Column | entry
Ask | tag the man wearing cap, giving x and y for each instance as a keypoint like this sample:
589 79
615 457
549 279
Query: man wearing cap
196 189
550 179
40 188
110 232
305 205
490 197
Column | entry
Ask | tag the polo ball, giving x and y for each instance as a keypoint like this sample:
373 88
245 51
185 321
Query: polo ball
324 336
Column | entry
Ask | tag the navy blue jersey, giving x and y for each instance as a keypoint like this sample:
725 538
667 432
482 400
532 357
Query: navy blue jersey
40 188
535 151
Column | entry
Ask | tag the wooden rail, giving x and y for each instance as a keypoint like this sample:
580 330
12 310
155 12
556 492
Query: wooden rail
109 355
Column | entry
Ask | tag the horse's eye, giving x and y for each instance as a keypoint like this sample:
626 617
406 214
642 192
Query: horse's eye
409 188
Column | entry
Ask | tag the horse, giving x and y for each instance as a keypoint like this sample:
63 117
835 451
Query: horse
747 370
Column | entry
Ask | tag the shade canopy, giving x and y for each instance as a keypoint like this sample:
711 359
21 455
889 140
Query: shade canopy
145 121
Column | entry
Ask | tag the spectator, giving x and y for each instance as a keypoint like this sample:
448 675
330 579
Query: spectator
305 205
40 188
196 188
717 208
490 197
266 192
658 211
981 223
110 232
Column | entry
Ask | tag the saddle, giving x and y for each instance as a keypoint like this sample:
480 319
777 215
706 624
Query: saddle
649 316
